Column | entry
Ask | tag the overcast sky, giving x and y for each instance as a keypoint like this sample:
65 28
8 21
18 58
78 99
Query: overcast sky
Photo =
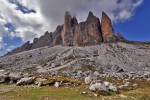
23 20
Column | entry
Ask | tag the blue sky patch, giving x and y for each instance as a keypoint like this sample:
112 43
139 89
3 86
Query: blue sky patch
10 27
22 8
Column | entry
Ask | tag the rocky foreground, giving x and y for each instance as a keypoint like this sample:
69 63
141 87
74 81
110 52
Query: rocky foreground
16 86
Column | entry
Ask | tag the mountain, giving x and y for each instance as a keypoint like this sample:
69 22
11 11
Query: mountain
72 33
86 48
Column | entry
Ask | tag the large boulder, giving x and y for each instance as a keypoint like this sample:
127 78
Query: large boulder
98 87
103 86
110 86
107 29
3 78
26 81
14 77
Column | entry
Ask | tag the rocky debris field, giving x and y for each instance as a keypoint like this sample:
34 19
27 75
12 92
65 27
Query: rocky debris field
111 59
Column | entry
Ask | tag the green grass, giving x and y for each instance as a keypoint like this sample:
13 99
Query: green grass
12 92
45 93
68 93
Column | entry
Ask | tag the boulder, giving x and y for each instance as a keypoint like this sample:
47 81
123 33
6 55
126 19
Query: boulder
43 82
98 87
125 85
57 84
26 81
3 78
88 80
113 88
14 77
101 86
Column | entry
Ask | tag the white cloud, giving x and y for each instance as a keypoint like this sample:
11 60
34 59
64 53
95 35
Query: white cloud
10 48
2 44
49 14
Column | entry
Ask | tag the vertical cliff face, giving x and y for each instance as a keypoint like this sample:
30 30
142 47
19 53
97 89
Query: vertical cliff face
84 33
88 32
68 29
57 39
107 29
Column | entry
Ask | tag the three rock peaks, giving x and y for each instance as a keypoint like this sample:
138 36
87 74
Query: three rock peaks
72 33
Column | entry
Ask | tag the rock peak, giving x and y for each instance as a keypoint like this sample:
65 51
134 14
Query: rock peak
120 37
107 29
104 14
90 13
91 17
72 33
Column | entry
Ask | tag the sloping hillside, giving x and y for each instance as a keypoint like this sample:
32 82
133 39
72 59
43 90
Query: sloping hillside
103 58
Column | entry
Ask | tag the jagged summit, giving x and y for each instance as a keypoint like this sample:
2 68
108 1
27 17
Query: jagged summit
107 29
72 33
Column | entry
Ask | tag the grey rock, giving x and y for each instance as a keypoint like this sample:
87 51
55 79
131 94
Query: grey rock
88 80
57 84
3 78
14 77
25 81
98 87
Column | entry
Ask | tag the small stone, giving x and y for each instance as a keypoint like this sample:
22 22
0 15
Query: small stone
123 96
96 95
57 84
88 80
135 85
84 92
40 84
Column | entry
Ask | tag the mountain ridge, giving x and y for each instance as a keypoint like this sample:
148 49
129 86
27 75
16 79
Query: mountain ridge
72 33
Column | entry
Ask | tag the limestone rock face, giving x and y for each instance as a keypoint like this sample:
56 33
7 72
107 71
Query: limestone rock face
68 28
88 32
107 29
57 39
120 37
44 40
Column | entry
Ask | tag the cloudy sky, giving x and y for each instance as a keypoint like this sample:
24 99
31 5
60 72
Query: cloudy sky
23 20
